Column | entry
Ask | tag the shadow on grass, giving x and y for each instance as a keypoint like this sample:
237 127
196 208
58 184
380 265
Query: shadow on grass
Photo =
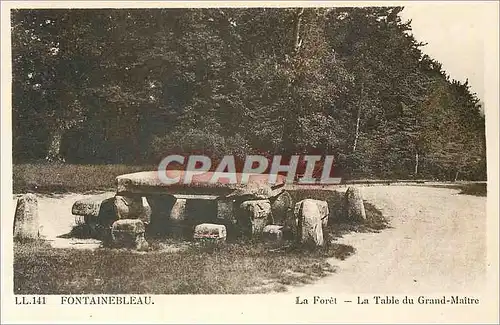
338 223
374 223
80 231
477 189
198 269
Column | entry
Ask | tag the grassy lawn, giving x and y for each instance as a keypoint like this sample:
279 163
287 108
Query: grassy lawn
476 189
230 268
61 178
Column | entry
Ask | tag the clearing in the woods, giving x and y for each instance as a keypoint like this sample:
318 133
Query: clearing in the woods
427 238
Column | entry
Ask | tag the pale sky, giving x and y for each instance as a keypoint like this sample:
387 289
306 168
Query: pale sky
455 33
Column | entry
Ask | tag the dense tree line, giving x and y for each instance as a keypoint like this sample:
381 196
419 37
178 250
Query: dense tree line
134 85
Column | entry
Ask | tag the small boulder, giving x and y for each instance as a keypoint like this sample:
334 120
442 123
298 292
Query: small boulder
252 191
322 207
175 224
210 231
282 208
26 221
179 212
354 206
129 233
133 207
253 216
272 233
141 244
310 227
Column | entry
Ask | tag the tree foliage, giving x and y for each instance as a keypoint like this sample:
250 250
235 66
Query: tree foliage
134 85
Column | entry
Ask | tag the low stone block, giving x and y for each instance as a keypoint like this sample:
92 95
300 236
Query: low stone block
132 226
129 233
272 233
210 231
26 221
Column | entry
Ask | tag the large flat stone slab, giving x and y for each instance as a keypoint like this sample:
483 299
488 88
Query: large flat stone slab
150 182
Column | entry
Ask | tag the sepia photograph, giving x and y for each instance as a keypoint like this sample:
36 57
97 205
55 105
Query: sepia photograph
296 150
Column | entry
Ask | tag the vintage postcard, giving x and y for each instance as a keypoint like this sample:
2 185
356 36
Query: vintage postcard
249 162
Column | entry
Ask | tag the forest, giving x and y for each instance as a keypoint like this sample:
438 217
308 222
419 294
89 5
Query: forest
131 86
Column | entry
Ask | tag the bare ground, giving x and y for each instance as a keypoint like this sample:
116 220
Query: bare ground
56 220
436 243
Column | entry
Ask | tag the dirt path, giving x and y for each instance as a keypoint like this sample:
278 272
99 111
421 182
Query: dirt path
437 243
54 211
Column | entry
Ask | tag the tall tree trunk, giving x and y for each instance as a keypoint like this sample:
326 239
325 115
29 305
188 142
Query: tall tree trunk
289 120
298 22
456 175
416 163
54 151
356 135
